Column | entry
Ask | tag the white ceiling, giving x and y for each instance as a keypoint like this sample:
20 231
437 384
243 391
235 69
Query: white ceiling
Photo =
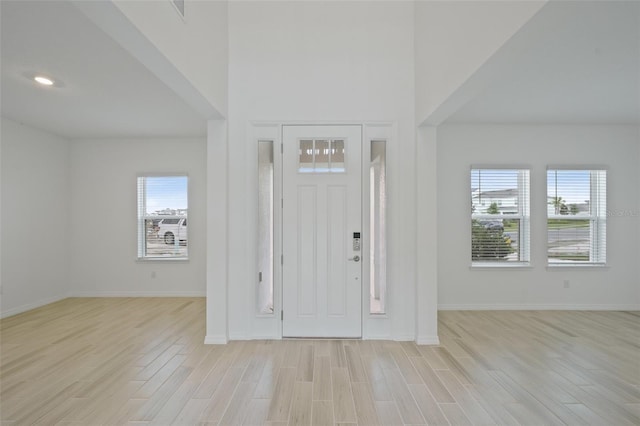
106 93
574 62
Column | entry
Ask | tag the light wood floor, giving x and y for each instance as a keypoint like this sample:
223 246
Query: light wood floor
118 361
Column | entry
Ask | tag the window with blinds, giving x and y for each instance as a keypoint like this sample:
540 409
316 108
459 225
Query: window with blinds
576 216
500 217
162 217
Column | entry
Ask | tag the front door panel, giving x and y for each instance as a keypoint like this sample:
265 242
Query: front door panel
322 267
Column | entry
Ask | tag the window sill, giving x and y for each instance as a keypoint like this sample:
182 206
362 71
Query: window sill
520 265
162 259
563 266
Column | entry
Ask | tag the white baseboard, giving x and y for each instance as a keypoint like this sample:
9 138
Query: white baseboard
263 337
240 336
215 340
29 306
538 307
427 340
405 338
270 337
385 337
138 294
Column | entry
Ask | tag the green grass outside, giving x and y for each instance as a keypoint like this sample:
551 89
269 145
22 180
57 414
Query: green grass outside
566 223
512 225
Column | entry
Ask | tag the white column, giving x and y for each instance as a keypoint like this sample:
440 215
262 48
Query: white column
217 235
427 234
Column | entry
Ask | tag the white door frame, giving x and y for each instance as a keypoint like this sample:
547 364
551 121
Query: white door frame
269 326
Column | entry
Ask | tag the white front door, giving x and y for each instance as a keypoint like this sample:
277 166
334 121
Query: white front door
321 217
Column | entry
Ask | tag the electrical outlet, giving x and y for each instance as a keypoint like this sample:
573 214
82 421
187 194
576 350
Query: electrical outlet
567 284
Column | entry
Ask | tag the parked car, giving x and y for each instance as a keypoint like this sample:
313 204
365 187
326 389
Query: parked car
492 225
170 229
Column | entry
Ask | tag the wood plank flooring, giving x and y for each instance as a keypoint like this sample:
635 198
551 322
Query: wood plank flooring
118 361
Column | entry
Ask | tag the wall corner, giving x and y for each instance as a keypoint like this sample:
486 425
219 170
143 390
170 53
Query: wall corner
427 234
217 233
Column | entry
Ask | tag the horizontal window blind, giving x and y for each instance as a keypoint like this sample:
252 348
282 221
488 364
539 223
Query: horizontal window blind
500 216
162 217
576 216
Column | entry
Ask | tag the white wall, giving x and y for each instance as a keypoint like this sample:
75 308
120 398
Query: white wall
454 39
538 287
196 45
103 214
426 300
35 217
189 55
322 62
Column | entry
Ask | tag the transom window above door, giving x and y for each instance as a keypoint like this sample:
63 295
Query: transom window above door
321 156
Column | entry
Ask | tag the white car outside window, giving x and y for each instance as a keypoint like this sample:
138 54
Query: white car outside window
172 229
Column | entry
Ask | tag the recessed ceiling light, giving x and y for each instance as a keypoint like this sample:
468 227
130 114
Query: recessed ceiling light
43 80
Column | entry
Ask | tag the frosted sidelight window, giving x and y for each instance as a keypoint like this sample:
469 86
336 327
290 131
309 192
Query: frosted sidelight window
377 224
576 217
162 217
265 228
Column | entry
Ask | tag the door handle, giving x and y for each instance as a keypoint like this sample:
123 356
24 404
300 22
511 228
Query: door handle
355 258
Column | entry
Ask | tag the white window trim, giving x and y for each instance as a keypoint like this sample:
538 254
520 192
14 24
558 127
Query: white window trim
597 220
141 217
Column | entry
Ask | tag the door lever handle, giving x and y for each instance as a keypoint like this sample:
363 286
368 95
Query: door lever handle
355 258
